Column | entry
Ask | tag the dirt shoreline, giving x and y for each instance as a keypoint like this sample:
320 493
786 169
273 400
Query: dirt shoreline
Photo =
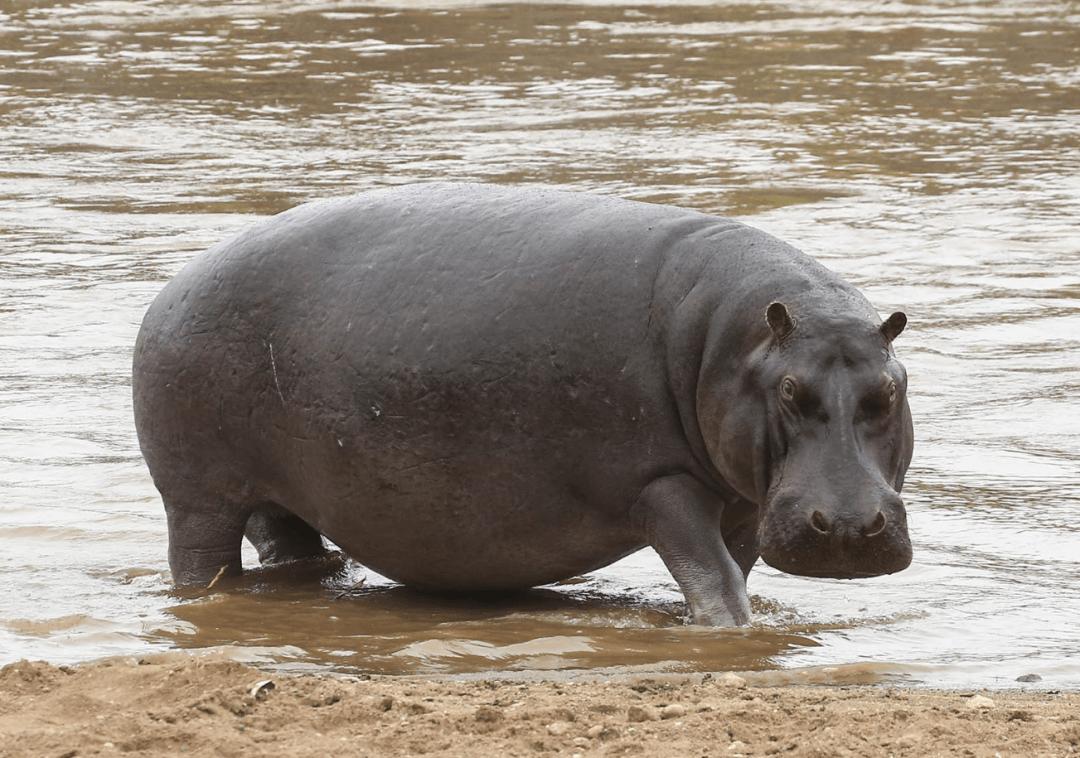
177 704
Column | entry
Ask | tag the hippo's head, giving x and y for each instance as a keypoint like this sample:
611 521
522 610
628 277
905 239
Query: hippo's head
828 444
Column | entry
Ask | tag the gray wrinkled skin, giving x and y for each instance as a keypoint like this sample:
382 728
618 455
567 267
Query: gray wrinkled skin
473 387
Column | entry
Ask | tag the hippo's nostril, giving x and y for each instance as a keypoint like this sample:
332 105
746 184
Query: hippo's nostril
819 522
877 526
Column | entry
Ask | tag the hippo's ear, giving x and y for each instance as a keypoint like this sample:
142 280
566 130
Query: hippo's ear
780 321
893 325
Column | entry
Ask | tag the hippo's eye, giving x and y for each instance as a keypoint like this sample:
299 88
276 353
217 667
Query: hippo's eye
787 388
879 404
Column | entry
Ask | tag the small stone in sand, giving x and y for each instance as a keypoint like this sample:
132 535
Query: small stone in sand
558 728
729 679
602 732
737 746
581 741
907 741
638 713
980 701
488 714
673 711
1029 678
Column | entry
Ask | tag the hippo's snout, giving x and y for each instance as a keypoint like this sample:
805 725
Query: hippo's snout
834 542
868 525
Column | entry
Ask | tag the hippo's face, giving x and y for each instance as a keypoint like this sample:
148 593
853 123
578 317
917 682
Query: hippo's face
840 432
831 456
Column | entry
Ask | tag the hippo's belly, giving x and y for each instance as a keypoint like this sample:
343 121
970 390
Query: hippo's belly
480 488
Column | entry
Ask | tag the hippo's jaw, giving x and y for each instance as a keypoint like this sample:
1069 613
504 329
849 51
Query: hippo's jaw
805 541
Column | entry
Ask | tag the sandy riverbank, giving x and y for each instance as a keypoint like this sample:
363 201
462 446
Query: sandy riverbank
178 704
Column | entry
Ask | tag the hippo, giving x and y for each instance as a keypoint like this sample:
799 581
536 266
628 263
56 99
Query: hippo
478 388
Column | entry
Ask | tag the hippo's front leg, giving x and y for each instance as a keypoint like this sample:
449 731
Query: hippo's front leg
681 518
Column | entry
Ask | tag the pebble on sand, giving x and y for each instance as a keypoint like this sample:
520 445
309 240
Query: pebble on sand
673 711
602 732
488 714
642 713
980 701
729 679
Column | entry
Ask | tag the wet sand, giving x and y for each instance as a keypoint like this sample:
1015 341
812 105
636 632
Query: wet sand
208 705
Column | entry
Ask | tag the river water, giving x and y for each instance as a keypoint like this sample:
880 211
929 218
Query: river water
929 152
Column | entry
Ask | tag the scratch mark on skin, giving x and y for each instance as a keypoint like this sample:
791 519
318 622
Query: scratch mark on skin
410 467
498 378
273 368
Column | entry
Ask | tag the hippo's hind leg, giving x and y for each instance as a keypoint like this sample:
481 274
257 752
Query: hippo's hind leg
280 537
205 543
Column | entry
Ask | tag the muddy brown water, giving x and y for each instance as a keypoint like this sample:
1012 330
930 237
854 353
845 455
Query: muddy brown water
929 152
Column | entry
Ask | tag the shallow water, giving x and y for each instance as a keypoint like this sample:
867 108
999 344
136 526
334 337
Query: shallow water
928 152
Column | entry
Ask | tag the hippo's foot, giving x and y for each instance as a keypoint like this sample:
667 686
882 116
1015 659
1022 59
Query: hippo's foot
722 615
682 523
204 545
281 537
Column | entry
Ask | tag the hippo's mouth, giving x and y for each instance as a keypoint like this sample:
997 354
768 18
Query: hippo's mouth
887 553
834 572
